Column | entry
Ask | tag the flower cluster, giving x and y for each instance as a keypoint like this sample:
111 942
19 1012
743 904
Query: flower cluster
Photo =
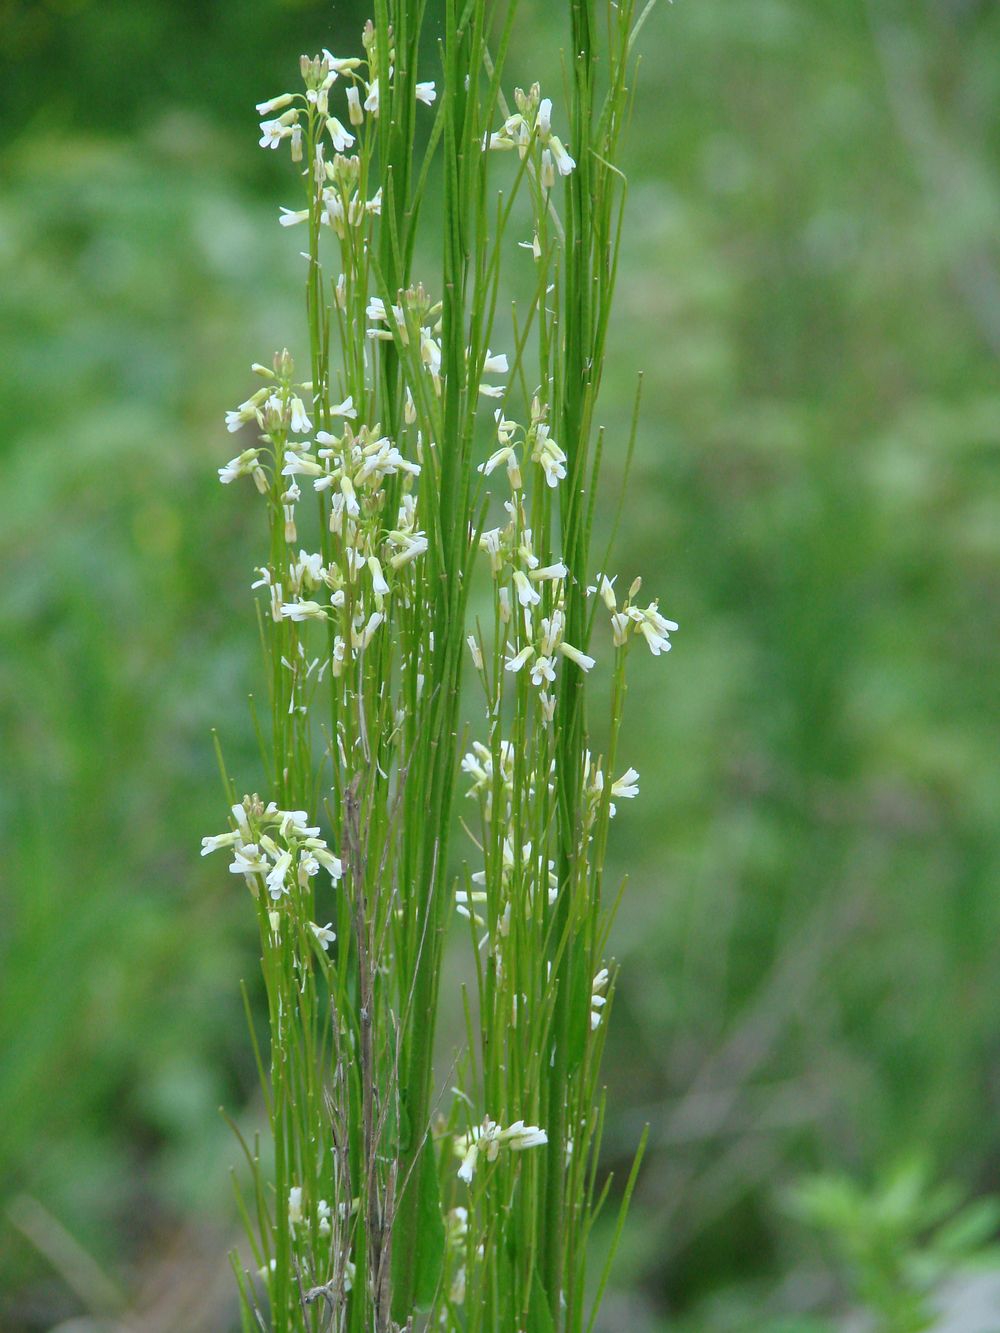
531 125
647 621
416 322
276 849
488 1138
319 73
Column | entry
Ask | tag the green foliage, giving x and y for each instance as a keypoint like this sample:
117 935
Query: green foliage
809 255
900 1238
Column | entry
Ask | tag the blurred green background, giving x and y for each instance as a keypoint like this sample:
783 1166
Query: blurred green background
809 942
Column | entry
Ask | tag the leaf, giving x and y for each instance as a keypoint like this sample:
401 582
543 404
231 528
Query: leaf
539 1315
427 1264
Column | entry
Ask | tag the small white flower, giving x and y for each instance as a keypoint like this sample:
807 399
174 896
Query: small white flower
213 843
526 594
488 1138
426 92
344 409
653 627
332 864
272 132
324 934
584 662
354 113
247 860
495 364
534 245
515 663
556 571
291 217
303 610
295 1206
275 104
300 420
597 998
564 163
627 785
372 100
275 878
341 136
246 465
542 669
379 585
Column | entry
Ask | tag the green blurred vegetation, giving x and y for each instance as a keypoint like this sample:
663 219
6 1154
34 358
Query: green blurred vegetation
810 939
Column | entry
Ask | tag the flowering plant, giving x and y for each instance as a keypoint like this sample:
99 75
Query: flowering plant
383 584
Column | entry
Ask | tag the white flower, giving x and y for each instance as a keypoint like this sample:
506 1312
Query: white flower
343 409
542 669
584 662
547 175
342 137
526 594
653 627
247 860
291 217
556 571
324 934
303 610
379 585
354 113
413 544
495 364
534 245
505 428
627 785
245 465
488 1138
213 843
295 1206
426 93
597 998
332 864
300 420
517 662
295 821
275 877
506 455
564 163
547 453
273 131
371 101
275 104
340 64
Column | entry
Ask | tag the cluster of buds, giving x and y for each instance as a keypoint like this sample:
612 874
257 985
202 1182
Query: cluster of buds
531 124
